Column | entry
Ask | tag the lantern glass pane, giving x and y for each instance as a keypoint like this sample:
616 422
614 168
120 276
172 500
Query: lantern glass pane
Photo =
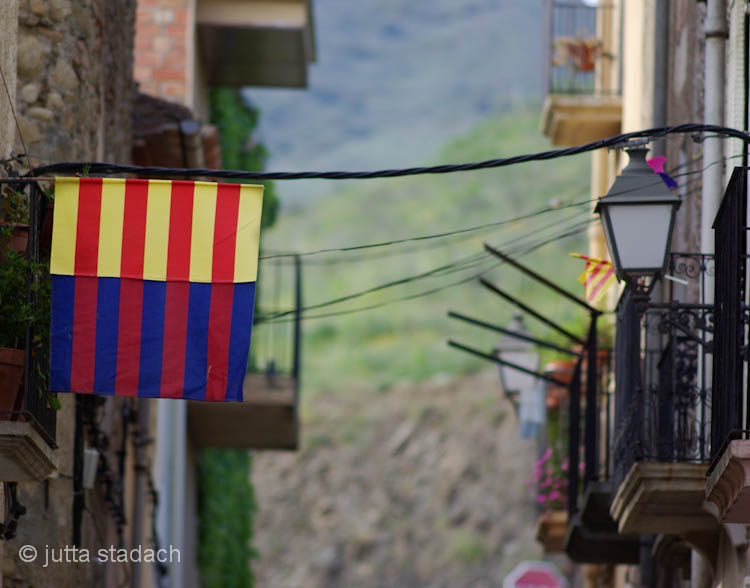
641 233
515 380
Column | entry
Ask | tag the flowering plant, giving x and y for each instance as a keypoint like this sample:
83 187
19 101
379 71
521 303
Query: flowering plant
551 481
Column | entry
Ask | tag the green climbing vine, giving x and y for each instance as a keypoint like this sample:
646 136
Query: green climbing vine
226 500
236 120
226 506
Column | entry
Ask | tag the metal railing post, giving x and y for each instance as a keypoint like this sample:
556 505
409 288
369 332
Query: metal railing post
574 439
590 441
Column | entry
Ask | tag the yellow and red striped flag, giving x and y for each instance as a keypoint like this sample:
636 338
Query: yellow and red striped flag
597 278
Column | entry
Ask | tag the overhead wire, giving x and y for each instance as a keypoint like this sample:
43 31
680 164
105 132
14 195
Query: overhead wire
104 168
461 264
441 235
468 263
468 230
431 291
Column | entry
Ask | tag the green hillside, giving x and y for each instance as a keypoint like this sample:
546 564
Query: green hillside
415 74
406 340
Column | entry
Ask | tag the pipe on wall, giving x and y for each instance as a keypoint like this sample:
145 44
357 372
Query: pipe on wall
661 71
716 33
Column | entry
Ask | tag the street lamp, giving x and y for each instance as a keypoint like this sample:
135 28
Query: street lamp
524 390
519 352
638 219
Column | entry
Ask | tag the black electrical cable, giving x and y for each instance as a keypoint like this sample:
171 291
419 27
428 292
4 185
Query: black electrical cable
461 264
103 168
282 255
432 236
523 250
429 292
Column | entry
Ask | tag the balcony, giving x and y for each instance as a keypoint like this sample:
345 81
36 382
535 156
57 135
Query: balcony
661 445
255 42
583 102
592 535
728 485
267 417
27 417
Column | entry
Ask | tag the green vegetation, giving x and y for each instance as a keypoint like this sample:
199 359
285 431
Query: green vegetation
468 547
226 500
395 80
226 504
236 121
406 340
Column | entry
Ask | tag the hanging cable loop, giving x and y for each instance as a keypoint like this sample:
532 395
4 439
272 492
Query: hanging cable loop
100 168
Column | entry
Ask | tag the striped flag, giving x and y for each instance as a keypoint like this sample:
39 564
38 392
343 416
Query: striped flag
153 287
597 278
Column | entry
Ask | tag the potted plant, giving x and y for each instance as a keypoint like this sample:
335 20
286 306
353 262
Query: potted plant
18 276
577 52
550 481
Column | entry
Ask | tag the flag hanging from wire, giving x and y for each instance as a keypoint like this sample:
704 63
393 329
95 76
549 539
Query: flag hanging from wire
597 278
153 287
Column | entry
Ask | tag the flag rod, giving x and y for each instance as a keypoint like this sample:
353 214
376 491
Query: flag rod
540 342
509 364
531 311
541 279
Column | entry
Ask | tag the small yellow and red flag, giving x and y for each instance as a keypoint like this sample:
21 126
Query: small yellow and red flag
597 278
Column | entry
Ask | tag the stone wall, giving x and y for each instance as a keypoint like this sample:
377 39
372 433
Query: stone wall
685 104
8 19
75 89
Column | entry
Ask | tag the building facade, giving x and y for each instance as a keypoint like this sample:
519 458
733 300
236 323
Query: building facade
661 504
126 81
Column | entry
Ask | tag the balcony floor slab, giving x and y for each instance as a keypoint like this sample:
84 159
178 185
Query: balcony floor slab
24 455
662 498
728 486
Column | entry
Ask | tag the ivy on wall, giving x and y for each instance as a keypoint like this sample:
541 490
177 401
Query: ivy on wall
226 506
236 121
226 500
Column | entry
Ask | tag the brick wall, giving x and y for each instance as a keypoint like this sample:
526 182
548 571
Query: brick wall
163 48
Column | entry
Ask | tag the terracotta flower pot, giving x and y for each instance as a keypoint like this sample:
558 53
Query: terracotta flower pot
561 370
11 376
19 240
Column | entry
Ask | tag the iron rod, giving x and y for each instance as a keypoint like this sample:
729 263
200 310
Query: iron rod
509 364
541 279
549 322
510 333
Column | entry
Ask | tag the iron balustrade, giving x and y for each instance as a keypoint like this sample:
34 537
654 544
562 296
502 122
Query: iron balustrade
731 339
575 47
32 200
276 348
663 355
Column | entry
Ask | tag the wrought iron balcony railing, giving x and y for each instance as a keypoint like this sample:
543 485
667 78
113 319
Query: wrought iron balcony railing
578 36
275 348
25 222
732 342
663 409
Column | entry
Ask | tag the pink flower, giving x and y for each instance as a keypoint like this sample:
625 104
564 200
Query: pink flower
564 466
555 495
541 499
